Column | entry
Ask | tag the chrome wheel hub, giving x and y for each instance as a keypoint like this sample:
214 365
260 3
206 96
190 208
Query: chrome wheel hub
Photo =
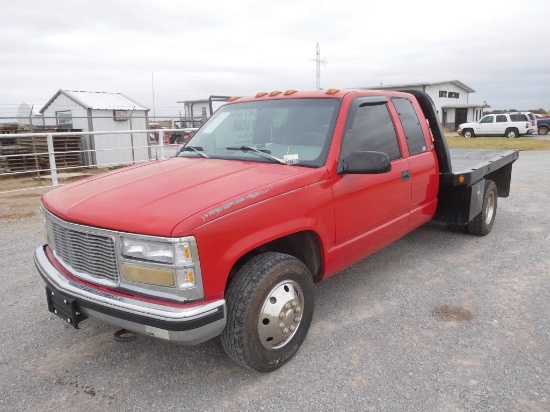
490 208
280 315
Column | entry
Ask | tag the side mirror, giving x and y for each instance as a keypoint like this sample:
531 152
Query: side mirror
365 163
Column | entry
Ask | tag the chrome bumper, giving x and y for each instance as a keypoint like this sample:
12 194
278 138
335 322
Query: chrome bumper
188 326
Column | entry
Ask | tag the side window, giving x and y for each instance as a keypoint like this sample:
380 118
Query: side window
501 118
487 119
411 125
371 129
518 117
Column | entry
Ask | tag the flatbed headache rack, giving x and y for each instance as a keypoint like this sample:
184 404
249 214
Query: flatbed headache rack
463 172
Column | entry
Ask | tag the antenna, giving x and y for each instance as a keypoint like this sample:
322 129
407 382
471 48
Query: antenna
318 62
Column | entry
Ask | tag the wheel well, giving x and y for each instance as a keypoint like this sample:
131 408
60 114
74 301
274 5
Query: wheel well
302 245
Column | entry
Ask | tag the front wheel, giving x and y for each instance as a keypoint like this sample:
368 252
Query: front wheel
269 310
482 224
543 129
468 133
512 132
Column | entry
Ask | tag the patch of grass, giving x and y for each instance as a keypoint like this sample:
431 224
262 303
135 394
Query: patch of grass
15 216
521 143
23 195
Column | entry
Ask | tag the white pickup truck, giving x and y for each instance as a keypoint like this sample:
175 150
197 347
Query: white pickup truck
505 124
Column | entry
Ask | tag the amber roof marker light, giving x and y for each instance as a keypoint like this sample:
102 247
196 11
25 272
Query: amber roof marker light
332 91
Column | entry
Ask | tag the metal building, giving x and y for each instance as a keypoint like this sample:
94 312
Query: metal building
451 99
101 111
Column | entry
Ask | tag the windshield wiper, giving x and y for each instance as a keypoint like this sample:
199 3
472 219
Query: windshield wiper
259 152
196 149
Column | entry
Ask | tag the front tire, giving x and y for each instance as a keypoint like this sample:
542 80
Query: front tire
482 224
270 307
468 133
512 132
543 130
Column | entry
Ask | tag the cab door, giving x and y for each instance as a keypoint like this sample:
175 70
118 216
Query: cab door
371 210
486 126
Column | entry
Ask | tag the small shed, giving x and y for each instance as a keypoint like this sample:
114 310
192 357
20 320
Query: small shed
99 112
451 99
197 111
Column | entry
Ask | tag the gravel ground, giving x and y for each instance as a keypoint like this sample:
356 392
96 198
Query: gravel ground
438 321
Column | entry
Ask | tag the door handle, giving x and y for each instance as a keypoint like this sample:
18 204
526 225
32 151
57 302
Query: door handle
406 175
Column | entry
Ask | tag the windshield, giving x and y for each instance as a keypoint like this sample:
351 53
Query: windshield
288 131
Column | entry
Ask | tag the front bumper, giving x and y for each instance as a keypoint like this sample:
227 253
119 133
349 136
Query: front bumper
184 325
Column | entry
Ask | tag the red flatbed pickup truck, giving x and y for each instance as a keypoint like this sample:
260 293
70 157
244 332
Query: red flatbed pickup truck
273 193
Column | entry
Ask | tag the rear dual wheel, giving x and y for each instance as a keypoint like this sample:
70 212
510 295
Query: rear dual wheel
482 224
269 311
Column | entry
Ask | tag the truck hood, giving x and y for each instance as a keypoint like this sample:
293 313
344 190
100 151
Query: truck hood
154 198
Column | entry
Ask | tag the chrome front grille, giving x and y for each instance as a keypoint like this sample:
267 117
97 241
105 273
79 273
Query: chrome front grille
87 254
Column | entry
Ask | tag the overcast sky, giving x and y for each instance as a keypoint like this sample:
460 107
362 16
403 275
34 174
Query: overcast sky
239 47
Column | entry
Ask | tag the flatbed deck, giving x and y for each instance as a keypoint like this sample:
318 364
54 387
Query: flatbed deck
474 164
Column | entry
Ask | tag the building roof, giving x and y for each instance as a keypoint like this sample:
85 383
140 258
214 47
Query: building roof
457 83
98 100
193 101
465 106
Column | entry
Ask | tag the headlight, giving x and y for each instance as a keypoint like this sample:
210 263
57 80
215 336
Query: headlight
176 263
170 253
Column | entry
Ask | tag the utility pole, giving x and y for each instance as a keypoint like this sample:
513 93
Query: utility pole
318 62
153 90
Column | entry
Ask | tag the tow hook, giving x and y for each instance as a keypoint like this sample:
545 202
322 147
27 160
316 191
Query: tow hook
124 336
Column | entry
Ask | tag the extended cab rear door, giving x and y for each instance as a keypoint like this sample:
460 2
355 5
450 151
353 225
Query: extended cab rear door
371 210
422 160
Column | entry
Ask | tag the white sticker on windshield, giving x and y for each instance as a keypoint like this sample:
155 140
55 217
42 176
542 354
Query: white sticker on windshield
291 159
216 122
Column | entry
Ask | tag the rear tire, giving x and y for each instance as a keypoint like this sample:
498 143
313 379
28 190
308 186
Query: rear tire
482 224
543 130
269 311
